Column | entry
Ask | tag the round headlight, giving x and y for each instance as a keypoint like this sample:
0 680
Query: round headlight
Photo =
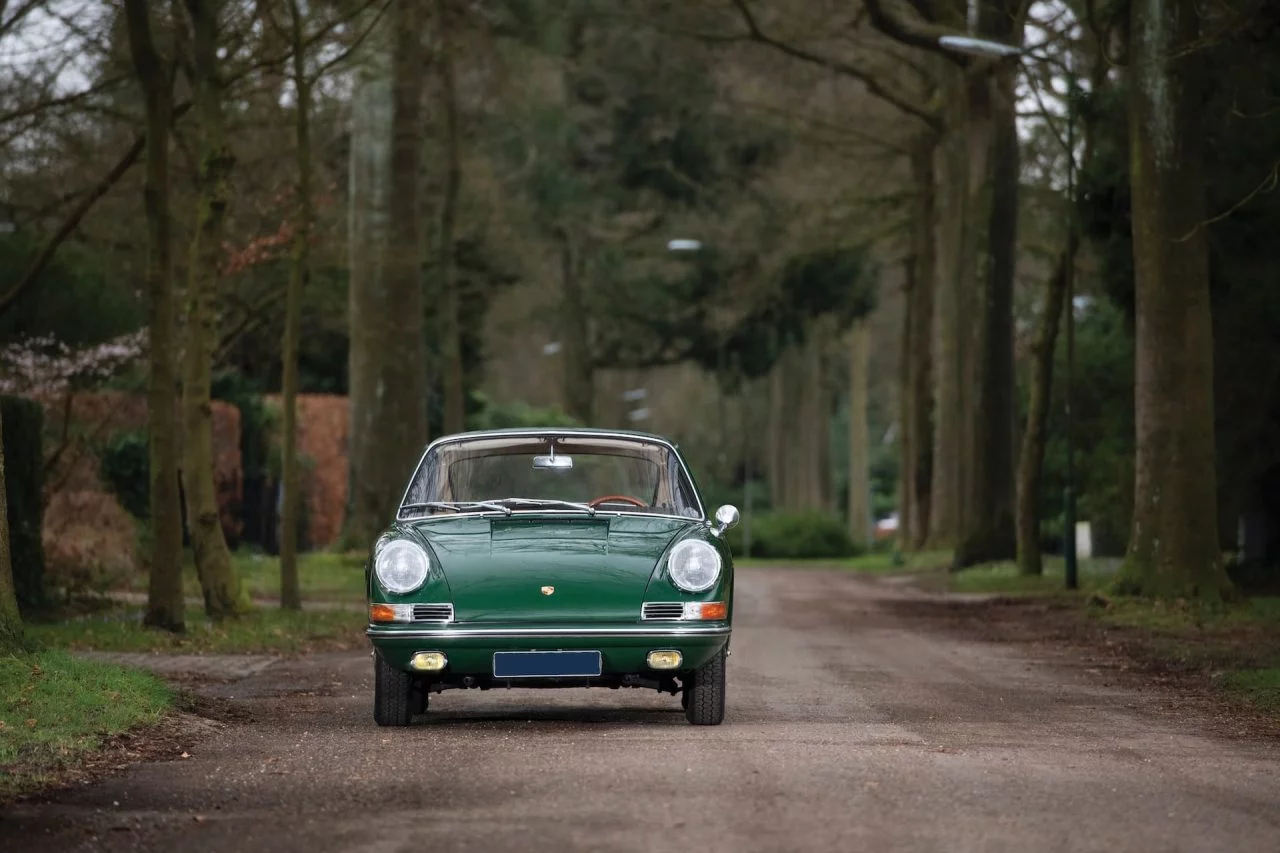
401 566
694 565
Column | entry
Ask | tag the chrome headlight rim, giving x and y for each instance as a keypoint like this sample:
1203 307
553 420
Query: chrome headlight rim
677 562
404 550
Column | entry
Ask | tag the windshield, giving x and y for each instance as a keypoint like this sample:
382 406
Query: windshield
557 473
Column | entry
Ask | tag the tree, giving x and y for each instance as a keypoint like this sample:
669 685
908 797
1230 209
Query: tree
223 596
985 257
299 273
450 298
11 639
1173 548
388 348
165 606
860 521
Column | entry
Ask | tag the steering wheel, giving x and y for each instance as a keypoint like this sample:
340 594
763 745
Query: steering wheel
616 499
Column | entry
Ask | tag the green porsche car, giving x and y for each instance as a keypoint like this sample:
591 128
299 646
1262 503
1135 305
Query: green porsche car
551 558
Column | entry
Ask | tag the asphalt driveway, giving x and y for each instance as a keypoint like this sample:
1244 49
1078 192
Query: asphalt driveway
851 726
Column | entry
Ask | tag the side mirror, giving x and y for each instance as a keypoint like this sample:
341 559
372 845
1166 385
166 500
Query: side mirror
727 516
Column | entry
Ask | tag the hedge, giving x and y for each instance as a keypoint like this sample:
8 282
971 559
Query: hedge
805 534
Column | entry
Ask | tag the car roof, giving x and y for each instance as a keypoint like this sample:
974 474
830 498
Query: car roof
585 432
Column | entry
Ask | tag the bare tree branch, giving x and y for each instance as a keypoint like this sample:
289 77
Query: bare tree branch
918 33
75 216
756 34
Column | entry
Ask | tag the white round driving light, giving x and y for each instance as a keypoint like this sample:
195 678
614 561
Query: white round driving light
694 565
401 566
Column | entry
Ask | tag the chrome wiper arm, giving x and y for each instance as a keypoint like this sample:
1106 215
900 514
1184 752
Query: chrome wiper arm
457 506
587 508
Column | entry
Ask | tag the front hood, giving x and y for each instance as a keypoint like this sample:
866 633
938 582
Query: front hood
597 566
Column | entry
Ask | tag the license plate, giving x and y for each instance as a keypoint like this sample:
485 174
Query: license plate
546 664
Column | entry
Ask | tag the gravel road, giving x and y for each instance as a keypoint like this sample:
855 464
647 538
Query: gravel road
850 727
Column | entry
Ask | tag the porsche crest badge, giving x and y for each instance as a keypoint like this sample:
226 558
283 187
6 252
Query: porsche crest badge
548 590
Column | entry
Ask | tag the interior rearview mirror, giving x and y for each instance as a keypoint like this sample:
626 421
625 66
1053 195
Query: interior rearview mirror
553 462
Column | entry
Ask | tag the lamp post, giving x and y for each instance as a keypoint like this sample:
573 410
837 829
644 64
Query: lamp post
986 47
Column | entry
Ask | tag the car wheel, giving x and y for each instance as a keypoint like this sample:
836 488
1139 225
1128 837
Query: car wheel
395 695
704 697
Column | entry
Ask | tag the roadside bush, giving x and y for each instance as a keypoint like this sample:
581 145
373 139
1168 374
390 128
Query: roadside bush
806 534
90 542
126 469
491 415
24 483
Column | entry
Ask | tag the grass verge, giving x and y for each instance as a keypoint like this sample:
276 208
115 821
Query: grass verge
265 630
323 576
1004 578
877 562
54 708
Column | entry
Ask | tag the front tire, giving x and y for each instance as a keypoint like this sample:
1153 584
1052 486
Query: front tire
703 698
396 696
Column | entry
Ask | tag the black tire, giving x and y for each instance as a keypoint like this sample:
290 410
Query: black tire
704 696
396 696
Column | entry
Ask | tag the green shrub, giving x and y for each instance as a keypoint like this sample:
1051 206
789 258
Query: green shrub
491 415
126 469
23 482
804 534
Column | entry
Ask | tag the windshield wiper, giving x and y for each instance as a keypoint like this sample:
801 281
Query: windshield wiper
458 506
587 508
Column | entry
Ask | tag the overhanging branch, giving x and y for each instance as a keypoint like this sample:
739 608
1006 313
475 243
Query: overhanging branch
862 75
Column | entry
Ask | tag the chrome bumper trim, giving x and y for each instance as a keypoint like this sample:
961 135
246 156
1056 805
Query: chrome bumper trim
377 632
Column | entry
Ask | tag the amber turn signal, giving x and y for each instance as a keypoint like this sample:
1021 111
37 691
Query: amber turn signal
390 613
706 610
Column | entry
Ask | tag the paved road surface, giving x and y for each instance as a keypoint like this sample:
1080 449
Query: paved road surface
851 728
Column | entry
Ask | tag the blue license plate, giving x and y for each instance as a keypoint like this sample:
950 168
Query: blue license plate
546 664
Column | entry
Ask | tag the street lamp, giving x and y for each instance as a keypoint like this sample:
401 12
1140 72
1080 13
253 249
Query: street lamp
986 47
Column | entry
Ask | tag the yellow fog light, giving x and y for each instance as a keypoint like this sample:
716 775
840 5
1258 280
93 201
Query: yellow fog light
429 661
665 659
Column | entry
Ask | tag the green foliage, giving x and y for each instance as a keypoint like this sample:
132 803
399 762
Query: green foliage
76 301
126 468
801 535
54 706
1259 687
491 415
23 421
1103 431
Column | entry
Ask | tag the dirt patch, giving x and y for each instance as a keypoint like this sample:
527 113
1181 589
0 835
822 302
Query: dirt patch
173 738
1185 670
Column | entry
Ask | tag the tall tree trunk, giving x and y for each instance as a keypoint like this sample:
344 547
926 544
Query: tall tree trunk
915 392
987 532
860 526
575 332
388 346
951 327
299 274
455 403
775 460
1173 547
369 187
165 605
11 639
222 592
1031 458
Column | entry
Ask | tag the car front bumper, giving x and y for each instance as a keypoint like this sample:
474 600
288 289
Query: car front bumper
623 648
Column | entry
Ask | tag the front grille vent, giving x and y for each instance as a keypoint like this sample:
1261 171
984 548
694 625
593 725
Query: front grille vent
433 613
662 610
